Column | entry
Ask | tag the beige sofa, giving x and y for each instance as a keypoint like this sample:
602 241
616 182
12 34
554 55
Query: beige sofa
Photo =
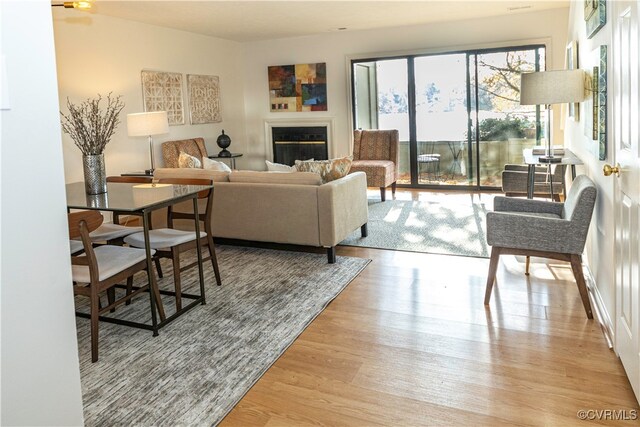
291 208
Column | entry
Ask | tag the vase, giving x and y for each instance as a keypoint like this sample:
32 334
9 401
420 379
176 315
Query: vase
95 178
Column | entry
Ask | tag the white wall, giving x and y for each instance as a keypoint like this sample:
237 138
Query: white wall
600 243
334 48
40 369
101 54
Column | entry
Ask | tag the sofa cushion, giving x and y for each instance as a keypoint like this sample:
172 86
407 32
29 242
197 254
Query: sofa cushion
278 167
215 165
188 161
295 178
329 170
216 176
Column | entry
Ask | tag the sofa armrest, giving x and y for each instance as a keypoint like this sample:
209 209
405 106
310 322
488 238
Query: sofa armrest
342 207
510 204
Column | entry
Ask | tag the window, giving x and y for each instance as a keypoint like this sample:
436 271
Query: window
458 114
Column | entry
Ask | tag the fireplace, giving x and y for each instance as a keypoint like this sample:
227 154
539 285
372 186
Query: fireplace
299 143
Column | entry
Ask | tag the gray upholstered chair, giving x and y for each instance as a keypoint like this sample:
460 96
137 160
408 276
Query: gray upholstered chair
515 181
376 153
543 229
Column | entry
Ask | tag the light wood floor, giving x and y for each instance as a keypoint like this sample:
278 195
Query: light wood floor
409 342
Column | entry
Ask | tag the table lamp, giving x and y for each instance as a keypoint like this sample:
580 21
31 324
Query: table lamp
551 87
148 124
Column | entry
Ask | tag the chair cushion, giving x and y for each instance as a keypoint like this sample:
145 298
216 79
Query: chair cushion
163 238
75 246
112 231
380 173
111 261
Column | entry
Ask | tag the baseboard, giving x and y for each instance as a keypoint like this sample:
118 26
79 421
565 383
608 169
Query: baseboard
600 309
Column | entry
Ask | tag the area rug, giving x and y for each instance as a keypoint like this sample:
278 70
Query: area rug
202 364
453 227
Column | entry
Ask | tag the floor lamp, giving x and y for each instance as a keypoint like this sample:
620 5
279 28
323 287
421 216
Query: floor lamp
148 124
551 87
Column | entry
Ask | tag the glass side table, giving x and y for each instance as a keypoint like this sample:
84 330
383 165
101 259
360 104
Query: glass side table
232 158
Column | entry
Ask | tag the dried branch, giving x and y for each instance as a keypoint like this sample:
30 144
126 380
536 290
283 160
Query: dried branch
88 126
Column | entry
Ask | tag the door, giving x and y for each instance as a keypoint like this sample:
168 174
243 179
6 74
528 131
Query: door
627 186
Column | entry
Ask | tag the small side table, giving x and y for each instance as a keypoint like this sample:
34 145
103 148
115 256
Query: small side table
232 158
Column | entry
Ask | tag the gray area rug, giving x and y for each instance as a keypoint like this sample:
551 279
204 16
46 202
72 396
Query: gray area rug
202 364
451 228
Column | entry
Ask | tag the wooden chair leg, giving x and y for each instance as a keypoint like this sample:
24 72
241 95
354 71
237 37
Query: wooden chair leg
393 188
576 266
364 230
95 311
158 267
214 259
111 297
491 278
129 288
175 258
383 193
526 265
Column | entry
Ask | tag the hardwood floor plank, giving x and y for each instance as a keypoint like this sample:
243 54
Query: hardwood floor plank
410 342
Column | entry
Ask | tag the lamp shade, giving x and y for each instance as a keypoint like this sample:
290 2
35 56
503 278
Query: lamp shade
147 124
551 87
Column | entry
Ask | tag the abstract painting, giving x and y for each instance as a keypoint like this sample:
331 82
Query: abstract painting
204 99
300 87
162 91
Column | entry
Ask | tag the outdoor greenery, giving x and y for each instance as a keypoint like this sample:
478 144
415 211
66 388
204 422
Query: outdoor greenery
503 129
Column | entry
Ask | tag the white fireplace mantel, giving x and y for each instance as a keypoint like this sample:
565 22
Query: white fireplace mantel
302 122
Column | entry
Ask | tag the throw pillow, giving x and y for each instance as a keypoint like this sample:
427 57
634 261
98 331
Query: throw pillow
329 170
187 161
278 167
215 165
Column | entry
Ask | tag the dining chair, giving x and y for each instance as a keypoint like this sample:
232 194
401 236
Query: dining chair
170 242
114 233
101 269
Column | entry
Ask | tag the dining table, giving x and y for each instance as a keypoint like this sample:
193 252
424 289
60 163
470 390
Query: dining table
141 200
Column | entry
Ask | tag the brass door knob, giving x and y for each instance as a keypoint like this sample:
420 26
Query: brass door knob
608 170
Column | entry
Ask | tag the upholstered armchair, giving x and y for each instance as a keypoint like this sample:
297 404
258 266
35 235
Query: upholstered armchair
171 150
515 181
543 229
375 152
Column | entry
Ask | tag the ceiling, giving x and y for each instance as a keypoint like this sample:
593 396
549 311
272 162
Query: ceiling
245 21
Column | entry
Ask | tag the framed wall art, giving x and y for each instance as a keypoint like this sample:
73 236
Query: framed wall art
300 87
204 99
601 95
595 16
572 64
162 91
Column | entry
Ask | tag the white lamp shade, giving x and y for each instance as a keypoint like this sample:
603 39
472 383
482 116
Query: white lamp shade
147 124
551 87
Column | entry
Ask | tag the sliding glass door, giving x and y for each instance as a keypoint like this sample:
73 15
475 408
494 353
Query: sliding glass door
458 113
